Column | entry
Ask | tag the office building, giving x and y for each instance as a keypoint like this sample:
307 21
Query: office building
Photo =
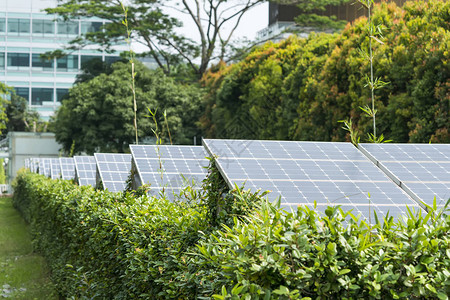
26 32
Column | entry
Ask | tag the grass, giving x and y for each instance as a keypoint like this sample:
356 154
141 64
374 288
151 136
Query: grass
23 274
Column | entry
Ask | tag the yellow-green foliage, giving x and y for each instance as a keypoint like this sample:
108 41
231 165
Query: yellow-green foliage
300 88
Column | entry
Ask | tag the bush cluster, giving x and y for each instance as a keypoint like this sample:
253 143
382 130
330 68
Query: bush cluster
302 87
102 245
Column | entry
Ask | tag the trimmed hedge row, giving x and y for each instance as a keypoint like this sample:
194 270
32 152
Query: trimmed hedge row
102 245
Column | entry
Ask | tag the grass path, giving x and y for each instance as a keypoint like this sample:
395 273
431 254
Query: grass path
23 274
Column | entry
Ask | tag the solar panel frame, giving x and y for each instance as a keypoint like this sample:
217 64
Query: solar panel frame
67 166
85 170
301 172
182 166
418 169
113 170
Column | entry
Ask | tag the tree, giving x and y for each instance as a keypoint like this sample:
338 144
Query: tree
4 91
155 29
20 118
98 114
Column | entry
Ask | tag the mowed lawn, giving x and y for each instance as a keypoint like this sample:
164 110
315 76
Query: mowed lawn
23 274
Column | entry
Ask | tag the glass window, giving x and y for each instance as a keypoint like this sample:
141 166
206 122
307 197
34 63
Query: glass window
2 24
61 94
67 63
18 59
38 62
112 59
85 59
38 95
68 28
90 26
19 26
43 26
23 92
2 60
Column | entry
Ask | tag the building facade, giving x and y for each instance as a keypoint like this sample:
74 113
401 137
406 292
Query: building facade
26 32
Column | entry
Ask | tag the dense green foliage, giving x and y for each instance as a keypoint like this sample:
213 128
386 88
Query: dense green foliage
113 246
4 91
20 118
97 115
300 88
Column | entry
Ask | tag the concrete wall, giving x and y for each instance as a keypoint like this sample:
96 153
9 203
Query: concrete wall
23 145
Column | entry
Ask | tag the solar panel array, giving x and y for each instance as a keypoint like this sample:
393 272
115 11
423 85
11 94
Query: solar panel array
169 169
67 168
86 170
304 172
422 170
113 170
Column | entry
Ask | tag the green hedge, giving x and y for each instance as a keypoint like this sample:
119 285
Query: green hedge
102 245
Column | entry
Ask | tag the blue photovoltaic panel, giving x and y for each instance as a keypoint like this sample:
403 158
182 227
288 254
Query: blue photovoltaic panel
422 170
44 167
114 170
67 168
304 172
169 169
86 169
34 164
55 168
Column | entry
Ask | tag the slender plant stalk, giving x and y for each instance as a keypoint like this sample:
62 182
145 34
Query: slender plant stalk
372 87
133 73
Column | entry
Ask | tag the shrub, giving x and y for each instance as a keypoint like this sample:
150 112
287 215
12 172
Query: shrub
102 245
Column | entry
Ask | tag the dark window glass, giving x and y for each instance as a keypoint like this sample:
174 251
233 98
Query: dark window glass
23 92
2 24
68 28
90 26
18 60
2 60
38 95
43 26
19 26
112 59
61 94
38 62
85 59
67 63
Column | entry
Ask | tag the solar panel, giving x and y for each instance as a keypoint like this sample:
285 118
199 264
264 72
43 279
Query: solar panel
55 168
422 170
44 167
113 170
86 170
304 172
169 169
67 168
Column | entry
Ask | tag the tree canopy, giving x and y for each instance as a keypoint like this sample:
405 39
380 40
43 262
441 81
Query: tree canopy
153 27
98 114
300 89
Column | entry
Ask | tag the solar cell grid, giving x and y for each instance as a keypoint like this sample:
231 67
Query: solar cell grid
67 168
304 172
113 170
86 170
55 168
169 168
422 170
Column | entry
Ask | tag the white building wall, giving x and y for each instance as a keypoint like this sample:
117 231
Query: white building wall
43 86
